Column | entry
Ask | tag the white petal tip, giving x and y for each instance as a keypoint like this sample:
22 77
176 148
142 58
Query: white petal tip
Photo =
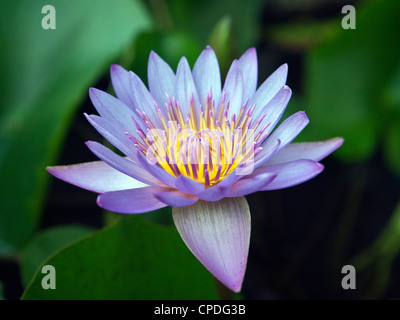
303 113
236 288
234 285
51 170
339 141
218 234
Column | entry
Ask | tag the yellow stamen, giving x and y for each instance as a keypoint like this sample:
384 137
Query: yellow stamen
205 148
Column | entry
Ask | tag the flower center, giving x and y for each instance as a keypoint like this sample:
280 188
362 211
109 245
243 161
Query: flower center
205 146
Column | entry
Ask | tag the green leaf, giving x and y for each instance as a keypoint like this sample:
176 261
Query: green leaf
161 216
45 74
47 242
132 259
346 77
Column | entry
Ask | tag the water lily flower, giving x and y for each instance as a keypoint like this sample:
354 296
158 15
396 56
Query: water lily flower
200 147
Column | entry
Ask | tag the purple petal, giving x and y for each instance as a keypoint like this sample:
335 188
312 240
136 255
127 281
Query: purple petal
290 174
266 153
220 190
250 185
188 185
143 100
117 138
285 133
95 176
275 108
158 173
120 82
185 88
176 198
249 66
218 234
306 150
130 201
233 88
112 109
161 79
206 75
121 164
269 88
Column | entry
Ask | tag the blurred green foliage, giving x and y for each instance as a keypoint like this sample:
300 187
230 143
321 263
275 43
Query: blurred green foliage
199 18
45 74
347 79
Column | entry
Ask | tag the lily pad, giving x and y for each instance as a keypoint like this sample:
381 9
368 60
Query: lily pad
132 259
